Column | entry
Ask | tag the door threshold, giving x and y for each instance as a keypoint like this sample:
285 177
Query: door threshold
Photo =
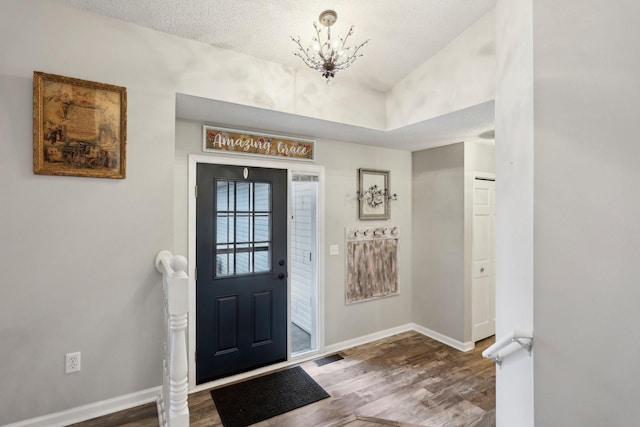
304 355
294 360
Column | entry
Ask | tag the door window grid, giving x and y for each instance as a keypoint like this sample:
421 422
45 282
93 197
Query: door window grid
243 228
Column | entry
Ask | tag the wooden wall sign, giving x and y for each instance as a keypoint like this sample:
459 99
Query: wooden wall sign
231 141
372 262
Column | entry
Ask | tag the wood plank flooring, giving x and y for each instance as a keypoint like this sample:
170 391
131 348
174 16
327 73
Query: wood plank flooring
141 416
406 380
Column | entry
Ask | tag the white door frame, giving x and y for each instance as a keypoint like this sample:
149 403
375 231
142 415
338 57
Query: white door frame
291 168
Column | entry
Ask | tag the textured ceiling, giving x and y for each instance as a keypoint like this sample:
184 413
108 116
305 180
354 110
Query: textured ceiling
403 33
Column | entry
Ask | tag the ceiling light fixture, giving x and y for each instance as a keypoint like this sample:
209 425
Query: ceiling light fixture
329 56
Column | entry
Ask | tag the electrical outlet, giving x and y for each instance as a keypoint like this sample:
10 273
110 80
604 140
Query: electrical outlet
72 362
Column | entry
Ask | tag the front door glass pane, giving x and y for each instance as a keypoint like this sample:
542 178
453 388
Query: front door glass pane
243 227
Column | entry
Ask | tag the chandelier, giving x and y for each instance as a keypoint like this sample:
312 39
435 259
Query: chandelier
329 56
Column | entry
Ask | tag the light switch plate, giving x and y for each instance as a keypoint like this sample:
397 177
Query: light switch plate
334 249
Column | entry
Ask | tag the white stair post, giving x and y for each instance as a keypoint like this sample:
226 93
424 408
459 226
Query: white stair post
175 384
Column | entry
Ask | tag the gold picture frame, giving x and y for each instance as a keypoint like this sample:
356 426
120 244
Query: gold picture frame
79 127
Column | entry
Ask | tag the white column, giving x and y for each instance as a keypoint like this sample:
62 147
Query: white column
514 120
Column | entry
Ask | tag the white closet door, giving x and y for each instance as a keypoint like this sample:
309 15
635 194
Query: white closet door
484 259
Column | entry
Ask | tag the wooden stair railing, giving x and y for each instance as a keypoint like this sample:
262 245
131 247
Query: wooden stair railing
172 404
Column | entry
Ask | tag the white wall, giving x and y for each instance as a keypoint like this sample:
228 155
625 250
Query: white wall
586 212
460 75
514 208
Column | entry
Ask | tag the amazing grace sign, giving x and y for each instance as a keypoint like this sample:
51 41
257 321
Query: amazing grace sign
232 141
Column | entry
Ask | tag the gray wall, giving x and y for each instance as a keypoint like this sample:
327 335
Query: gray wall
586 212
442 235
76 254
438 240
341 161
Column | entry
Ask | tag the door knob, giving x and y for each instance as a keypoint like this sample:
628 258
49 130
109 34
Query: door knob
281 276
482 270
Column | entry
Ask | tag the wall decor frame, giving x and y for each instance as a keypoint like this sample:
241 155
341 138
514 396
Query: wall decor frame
233 141
79 127
373 187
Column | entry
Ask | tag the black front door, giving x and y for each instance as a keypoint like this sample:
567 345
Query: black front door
241 261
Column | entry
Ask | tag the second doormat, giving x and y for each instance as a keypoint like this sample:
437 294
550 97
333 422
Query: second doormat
261 398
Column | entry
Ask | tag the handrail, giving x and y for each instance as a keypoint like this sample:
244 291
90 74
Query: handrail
522 337
174 408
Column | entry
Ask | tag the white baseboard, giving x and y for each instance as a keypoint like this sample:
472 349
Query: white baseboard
458 345
367 338
92 410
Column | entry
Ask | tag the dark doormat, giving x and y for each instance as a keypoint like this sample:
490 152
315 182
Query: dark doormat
261 398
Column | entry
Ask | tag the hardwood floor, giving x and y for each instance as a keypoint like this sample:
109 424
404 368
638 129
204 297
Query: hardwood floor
405 380
141 416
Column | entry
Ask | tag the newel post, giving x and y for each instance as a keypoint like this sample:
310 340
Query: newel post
175 388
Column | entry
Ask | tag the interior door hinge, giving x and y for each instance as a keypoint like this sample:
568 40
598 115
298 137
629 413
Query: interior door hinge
196 191
196 356
195 273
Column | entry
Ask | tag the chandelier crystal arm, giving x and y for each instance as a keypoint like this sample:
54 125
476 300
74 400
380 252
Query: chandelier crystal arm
351 58
344 41
317 39
304 55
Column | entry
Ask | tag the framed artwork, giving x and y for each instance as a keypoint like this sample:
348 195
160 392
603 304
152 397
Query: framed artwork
373 194
79 127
